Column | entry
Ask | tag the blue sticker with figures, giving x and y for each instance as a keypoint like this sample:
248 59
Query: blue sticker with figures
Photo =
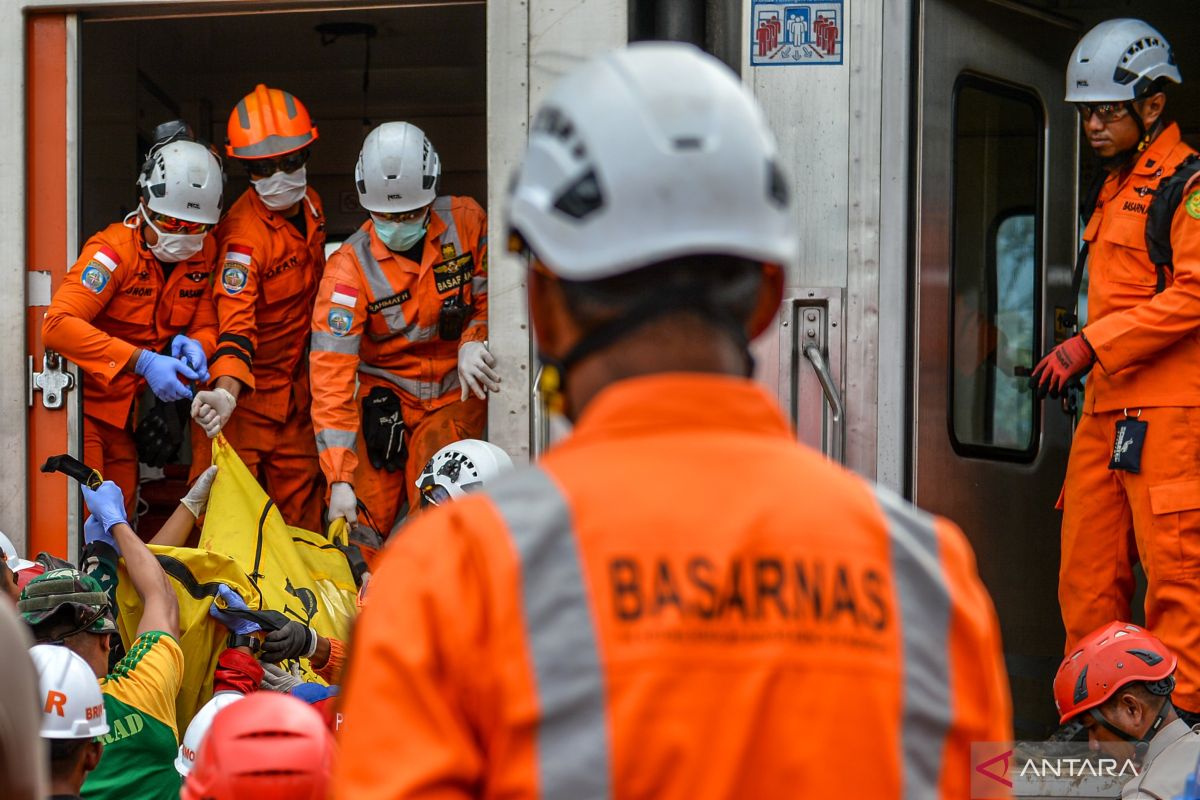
797 34
94 277
340 321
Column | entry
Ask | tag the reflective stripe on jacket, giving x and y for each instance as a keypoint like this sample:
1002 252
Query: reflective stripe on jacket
1147 344
678 602
266 285
115 301
378 312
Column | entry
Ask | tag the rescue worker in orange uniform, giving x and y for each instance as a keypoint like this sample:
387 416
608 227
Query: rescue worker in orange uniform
136 307
402 308
272 254
1142 399
596 626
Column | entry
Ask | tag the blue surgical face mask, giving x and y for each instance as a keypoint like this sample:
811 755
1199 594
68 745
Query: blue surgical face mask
400 236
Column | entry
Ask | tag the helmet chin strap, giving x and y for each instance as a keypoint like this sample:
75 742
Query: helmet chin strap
1126 158
1141 744
554 370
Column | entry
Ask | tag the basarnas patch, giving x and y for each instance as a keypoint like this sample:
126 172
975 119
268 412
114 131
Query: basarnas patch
94 277
450 275
233 277
340 321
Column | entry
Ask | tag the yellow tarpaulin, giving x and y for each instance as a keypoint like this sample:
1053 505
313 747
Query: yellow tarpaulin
246 543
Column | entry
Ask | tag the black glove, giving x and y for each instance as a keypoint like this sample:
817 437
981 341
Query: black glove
159 433
383 430
294 640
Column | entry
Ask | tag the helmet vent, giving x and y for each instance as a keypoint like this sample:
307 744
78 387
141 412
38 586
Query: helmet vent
1081 691
581 198
777 188
1149 656
688 143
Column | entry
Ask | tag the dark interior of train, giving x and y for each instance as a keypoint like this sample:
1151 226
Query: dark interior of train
353 70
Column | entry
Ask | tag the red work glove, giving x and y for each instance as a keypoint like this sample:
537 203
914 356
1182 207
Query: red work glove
1061 365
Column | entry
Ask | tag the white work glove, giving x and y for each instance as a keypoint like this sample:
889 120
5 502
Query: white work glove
475 371
212 409
196 499
278 679
342 503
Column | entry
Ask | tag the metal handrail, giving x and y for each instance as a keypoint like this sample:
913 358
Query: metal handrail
813 354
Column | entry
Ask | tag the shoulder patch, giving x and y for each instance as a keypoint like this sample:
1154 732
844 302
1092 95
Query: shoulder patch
108 257
239 254
1192 204
94 276
233 277
340 321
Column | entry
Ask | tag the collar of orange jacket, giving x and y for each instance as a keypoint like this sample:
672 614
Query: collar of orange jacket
681 400
1158 151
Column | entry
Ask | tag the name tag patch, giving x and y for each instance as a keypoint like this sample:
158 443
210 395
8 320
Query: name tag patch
388 302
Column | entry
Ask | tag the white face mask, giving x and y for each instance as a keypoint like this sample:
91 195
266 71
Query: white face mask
283 189
174 247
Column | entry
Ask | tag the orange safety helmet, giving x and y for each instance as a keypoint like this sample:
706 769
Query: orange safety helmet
269 746
268 122
1106 659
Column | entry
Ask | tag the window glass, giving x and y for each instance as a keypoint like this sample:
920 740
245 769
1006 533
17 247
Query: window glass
996 271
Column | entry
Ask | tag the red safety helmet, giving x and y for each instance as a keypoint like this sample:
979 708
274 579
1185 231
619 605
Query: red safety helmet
1118 654
267 123
269 746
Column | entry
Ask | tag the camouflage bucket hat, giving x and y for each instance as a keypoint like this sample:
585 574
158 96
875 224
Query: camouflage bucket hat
73 601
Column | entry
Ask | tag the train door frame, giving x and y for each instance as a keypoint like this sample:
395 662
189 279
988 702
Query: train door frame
530 44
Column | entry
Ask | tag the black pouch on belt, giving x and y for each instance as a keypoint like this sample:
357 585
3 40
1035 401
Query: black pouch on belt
159 433
383 430
1127 444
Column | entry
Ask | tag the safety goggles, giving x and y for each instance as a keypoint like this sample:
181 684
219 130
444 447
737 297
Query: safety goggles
166 224
1108 112
266 167
401 216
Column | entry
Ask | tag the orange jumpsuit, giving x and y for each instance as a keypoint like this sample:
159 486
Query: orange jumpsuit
1148 348
596 626
377 316
114 301
269 275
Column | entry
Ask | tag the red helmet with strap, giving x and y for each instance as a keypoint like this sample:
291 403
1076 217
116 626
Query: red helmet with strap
1116 655
268 746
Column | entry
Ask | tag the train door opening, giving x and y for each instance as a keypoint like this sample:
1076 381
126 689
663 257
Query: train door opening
353 68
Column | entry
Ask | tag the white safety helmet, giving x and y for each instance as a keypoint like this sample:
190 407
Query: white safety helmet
1119 59
461 467
198 727
183 179
9 553
653 152
70 699
397 169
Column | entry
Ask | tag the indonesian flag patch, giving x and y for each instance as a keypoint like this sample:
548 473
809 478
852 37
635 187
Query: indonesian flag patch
239 254
344 295
108 257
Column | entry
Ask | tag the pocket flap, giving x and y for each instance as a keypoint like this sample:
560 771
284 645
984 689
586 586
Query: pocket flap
1170 498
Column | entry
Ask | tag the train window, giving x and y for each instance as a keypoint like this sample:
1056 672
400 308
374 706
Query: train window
996 272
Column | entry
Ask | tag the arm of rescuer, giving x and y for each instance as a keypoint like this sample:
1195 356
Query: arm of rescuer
160 608
338 323
417 645
1124 337
979 694
235 296
475 231
68 327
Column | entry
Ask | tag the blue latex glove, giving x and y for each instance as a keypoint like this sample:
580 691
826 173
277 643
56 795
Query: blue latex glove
162 372
93 531
107 505
190 351
314 692
232 600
